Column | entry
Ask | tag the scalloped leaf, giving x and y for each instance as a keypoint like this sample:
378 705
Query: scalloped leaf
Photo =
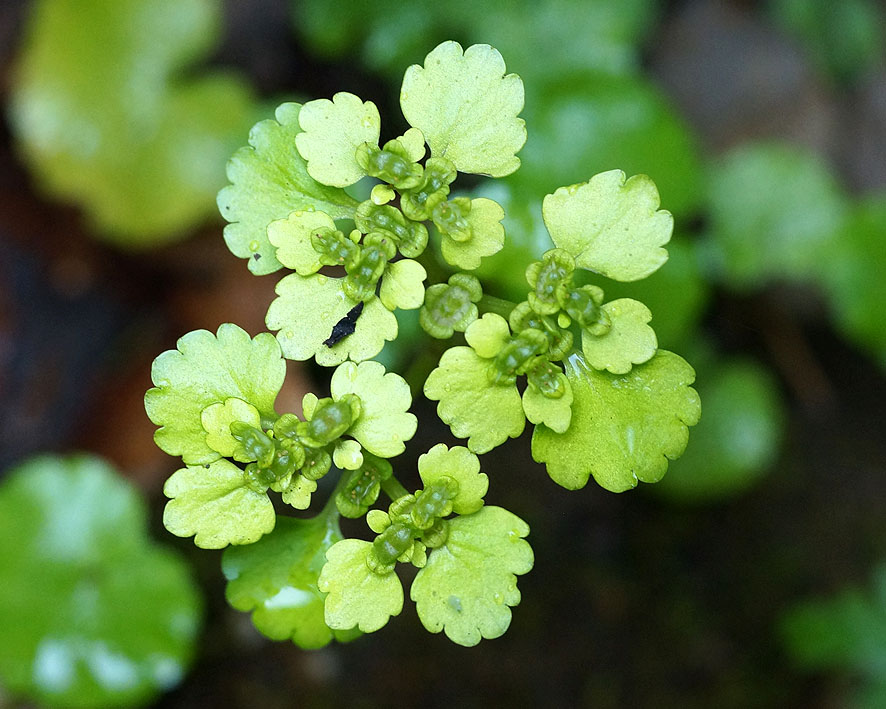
556 414
305 312
384 423
93 612
114 109
208 369
215 504
487 236
292 238
462 466
403 285
611 225
467 108
468 585
269 181
276 580
331 133
358 597
486 414
630 341
298 492
624 428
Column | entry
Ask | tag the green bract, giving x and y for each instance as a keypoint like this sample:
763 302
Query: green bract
217 505
467 108
269 181
624 428
611 225
93 613
619 410
469 583
358 597
209 369
485 413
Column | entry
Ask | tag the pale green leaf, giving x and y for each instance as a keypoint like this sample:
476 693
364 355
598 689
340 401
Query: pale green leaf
611 225
269 181
298 492
556 414
774 212
358 597
215 504
208 369
217 420
473 407
347 455
468 585
403 285
630 341
93 614
332 132
384 423
276 580
116 109
306 310
467 108
292 238
462 466
488 334
487 236
624 428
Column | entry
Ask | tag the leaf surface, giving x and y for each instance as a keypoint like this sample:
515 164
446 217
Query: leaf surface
468 585
630 341
462 466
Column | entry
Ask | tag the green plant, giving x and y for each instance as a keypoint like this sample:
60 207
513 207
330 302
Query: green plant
93 612
587 372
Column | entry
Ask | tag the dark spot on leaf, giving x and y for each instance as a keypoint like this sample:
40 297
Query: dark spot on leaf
345 326
256 256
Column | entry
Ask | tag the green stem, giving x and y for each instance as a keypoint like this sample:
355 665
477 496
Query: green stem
393 488
330 509
499 306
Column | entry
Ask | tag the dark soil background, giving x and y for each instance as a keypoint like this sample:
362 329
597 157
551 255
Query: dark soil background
632 601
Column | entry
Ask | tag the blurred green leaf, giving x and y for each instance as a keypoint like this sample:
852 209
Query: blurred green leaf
92 612
853 275
107 118
737 439
774 210
845 39
584 124
538 38
844 632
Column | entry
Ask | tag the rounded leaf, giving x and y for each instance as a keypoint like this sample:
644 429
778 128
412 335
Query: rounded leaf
358 597
402 285
610 225
292 238
331 133
209 369
468 585
467 108
624 428
308 308
486 414
462 466
629 341
215 504
384 422
556 414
